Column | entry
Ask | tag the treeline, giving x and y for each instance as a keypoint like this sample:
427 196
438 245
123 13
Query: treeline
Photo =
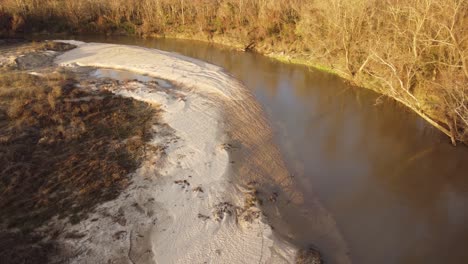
415 51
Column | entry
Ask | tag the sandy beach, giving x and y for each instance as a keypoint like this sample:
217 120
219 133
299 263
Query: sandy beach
182 207
212 188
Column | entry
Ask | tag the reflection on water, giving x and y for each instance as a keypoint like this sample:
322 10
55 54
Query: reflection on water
397 189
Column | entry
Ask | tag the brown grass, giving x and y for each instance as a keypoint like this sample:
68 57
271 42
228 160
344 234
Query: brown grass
415 51
24 248
60 154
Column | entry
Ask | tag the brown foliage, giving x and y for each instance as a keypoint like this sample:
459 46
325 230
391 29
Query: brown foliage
415 51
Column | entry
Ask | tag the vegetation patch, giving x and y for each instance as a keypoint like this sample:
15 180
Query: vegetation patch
64 150
22 248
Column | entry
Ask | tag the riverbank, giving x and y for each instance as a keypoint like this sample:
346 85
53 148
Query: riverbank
434 118
204 214
418 58
241 184
211 183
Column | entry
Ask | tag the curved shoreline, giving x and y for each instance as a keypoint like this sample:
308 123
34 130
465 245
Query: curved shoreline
248 157
298 60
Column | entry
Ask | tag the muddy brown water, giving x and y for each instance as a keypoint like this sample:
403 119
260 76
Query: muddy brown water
396 188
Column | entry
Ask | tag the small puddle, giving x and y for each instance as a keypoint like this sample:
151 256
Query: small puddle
122 75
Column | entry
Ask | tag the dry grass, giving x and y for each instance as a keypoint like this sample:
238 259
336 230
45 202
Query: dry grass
24 248
61 154
415 51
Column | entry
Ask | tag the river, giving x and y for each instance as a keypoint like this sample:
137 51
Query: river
396 188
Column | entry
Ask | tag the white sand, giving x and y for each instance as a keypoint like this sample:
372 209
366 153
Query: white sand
157 220
187 71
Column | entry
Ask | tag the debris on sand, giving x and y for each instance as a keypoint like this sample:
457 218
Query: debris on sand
203 217
222 210
183 183
198 189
